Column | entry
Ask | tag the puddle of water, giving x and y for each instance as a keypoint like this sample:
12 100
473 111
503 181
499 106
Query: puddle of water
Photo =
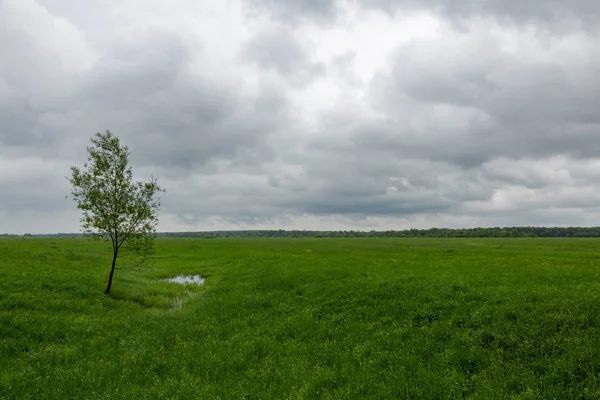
185 280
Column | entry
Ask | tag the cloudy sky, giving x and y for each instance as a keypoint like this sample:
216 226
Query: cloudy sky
308 114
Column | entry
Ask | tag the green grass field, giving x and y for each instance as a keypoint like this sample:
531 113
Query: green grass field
351 319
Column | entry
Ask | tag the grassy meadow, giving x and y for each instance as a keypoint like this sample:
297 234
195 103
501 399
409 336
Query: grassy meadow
349 319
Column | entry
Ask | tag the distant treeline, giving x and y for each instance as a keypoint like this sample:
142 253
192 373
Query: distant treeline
507 232
515 232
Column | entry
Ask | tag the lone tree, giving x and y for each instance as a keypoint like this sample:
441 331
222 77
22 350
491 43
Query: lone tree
115 206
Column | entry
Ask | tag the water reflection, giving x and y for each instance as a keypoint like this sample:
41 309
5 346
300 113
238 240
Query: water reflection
189 279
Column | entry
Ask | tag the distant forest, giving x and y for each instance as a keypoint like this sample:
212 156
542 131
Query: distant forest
506 232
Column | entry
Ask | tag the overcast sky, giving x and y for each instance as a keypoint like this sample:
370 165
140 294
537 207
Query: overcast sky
308 114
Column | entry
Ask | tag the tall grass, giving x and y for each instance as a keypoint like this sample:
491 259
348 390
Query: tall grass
352 318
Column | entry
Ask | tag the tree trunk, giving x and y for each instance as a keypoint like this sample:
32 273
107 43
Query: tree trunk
112 271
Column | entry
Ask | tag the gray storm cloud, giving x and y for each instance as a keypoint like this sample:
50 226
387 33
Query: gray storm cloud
555 14
487 118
